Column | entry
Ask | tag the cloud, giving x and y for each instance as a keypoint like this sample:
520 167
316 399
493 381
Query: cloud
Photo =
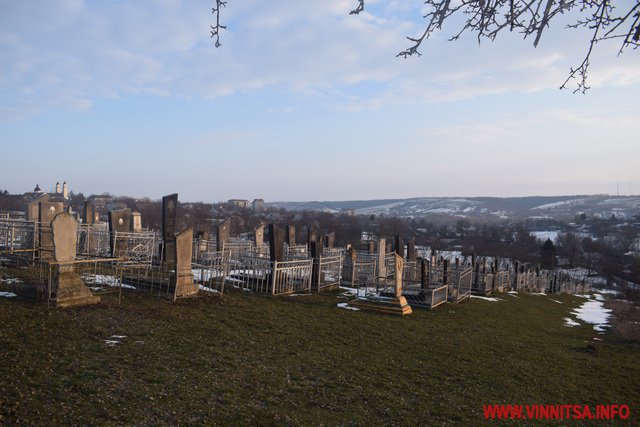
75 52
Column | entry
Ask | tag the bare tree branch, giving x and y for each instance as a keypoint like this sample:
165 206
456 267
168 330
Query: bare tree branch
358 9
215 29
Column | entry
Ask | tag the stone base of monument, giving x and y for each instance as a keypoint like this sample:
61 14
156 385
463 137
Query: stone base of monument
185 285
387 305
72 292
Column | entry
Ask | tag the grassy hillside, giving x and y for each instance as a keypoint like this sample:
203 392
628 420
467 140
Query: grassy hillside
247 359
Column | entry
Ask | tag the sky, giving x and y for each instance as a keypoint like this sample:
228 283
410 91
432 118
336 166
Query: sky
303 102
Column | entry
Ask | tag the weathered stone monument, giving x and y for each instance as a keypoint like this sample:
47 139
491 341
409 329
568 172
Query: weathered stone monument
313 235
88 216
69 288
291 235
276 240
330 240
119 221
397 304
136 222
371 247
223 234
382 266
46 213
399 246
411 250
169 215
183 279
258 236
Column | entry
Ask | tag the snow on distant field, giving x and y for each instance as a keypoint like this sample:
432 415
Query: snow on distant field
544 235
561 203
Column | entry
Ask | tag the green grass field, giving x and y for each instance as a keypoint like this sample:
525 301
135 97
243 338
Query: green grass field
248 359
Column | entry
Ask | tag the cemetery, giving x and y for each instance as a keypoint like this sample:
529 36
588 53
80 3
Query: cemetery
66 259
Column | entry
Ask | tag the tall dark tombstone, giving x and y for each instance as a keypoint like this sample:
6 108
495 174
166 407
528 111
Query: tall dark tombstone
445 272
169 211
223 234
46 212
120 221
276 240
411 249
399 246
315 249
291 235
88 213
424 273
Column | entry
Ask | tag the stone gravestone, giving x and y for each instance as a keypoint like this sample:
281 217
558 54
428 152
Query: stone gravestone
276 240
330 240
258 236
119 221
46 212
136 222
411 249
399 246
224 232
397 304
313 235
291 235
88 213
69 288
169 215
184 283
382 267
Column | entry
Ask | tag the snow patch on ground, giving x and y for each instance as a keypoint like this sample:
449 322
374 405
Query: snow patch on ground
492 299
593 312
346 306
570 322
8 295
114 339
555 300
299 295
204 288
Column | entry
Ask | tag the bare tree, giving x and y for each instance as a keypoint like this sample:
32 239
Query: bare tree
487 18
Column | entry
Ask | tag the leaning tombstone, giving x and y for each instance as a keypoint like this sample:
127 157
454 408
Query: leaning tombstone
395 304
184 285
223 234
68 287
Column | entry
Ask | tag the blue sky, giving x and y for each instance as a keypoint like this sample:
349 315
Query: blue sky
303 102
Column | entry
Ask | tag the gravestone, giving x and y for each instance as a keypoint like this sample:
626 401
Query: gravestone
46 213
411 249
224 232
258 235
169 215
136 222
313 235
291 235
69 288
399 246
88 213
424 273
119 221
330 240
183 279
382 267
276 240
397 304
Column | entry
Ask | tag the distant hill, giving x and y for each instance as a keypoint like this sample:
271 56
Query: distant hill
561 207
